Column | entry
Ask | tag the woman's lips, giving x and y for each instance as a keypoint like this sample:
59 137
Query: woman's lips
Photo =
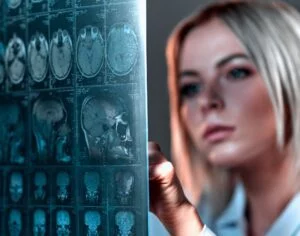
217 133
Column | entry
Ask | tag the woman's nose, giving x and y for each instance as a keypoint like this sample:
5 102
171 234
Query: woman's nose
210 100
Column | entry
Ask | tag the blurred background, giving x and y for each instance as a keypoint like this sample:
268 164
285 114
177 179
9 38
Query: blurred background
162 17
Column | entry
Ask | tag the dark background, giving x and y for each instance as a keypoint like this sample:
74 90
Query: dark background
162 17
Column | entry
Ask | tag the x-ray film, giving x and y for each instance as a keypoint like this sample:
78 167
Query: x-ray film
73 124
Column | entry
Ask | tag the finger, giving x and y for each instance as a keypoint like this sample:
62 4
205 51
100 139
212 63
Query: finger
154 146
162 172
155 154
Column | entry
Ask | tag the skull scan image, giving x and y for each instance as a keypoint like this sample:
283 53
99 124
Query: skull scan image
92 186
11 133
2 64
105 123
15 60
39 223
92 221
90 51
122 49
63 223
40 183
63 186
125 221
38 57
16 186
60 55
15 225
50 129
124 186
13 4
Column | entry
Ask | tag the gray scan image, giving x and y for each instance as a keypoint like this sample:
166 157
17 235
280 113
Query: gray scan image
92 186
62 186
39 223
63 223
16 186
92 222
90 51
104 121
122 49
2 65
60 55
11 133
38 57
15 60
124 184
124 221
13 4
40 183
50 129
15 224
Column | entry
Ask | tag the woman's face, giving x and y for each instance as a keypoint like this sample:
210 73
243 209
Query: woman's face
225 105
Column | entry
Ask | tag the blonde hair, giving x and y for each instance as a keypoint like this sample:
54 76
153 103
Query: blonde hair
270 33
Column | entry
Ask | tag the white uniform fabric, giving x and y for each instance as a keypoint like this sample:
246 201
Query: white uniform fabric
232 222
206 232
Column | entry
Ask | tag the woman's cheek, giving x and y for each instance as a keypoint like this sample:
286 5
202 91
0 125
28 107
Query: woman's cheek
191 119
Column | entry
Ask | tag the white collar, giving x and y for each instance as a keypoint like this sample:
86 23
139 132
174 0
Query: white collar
234 212
232 220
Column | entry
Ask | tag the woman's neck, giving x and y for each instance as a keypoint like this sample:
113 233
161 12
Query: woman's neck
269 187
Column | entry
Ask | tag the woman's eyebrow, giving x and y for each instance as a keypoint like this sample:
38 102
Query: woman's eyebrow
188 73
222 62
231 57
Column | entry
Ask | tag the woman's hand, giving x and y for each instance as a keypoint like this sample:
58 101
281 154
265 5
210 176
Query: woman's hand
167 200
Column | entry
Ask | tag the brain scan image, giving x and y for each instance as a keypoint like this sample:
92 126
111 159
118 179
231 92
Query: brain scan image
60 56
92 186
38 57
122 49
92 222
63 186
16 186
2 65
15 225
13 4
125 221
11 133
124 186
39 223
63 223
50 129
72 123
105 124
40 183
90 51
15 60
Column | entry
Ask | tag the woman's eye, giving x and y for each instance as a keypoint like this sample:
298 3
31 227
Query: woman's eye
238 73
190 90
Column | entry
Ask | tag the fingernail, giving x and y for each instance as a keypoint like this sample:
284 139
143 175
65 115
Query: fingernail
155 146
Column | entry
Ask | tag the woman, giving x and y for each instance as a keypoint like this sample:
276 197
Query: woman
234 84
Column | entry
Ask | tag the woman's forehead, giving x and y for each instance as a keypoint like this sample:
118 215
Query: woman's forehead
209 43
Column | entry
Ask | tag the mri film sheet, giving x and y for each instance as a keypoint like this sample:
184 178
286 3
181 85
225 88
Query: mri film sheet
73 124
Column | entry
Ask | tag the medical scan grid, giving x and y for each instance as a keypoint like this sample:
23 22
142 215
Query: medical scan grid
73 118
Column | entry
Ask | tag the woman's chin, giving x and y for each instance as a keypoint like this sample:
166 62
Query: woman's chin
222 161
226 156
